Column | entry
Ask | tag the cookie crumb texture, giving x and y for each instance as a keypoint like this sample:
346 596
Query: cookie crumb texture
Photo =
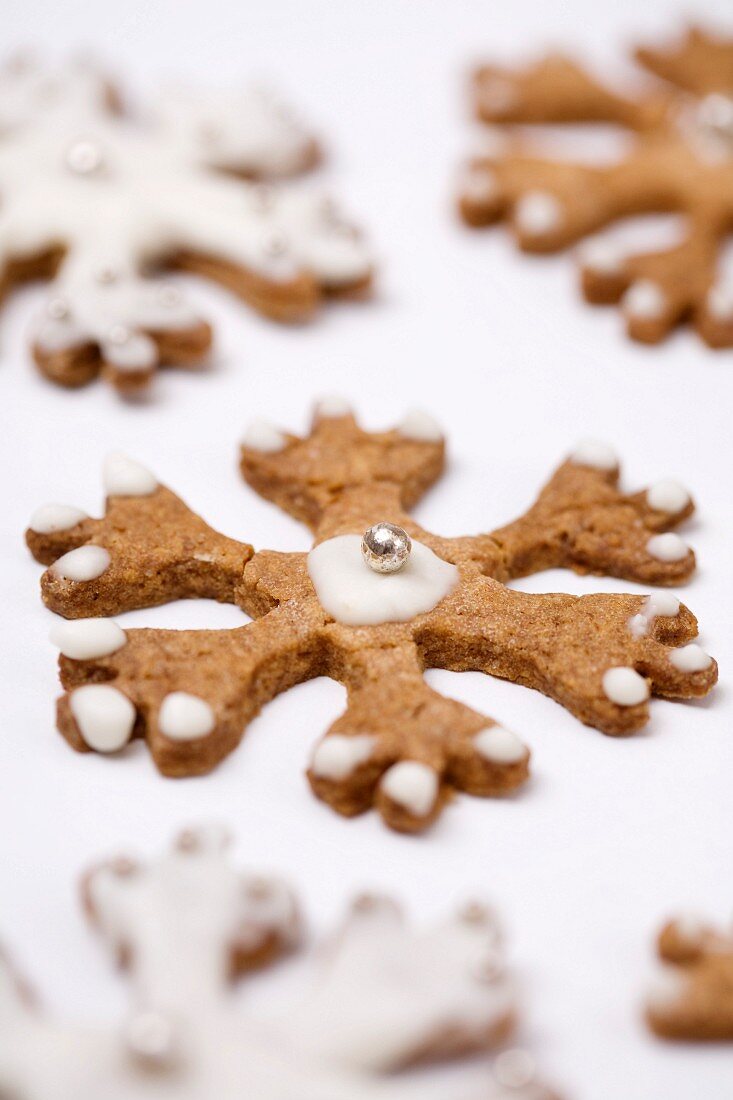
680 161
692 995
383 996
98 201
400 746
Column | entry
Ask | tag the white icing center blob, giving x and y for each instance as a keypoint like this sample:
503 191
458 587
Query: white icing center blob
356 595
185 717
421 427
690 658
86 563
338 755
332 406
667 548
595 453
667 495
645 300
412 785
263 436
625 687
56 517
105 717
500 745
87 639
124 477
538 213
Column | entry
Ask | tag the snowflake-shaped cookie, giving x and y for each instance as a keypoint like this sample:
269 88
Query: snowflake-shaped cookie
385 997
680 161
400 745
97 201
692 996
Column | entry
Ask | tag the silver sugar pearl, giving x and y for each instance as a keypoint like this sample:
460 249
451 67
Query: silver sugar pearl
84 157
150 1039
386 547
58 309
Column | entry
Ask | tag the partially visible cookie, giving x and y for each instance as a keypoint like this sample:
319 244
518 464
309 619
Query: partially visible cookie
692 995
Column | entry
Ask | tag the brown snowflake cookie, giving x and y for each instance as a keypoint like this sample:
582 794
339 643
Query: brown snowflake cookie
692 997
680 161
441 603
384 995
95 200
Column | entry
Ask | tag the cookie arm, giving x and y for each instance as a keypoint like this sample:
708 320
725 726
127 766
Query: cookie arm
692 996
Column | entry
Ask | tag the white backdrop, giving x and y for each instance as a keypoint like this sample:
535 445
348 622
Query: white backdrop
610 836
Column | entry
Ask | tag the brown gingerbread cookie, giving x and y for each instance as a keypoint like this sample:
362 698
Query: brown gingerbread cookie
692 997
445 604
680 161
384 996
98 202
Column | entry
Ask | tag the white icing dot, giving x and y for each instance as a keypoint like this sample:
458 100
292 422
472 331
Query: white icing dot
500 745
662 603
498 94
55 517
356 595
412 785
263 436
667 989
514 1069
639 625
538 213
104 715
332 406
602 256
129 351
690 658
667 496
595 453
87 639
720 302
479 185
645 300
668 547
690 927
83 564
338 756
124 477
185 717
150 1037
625 687
420 426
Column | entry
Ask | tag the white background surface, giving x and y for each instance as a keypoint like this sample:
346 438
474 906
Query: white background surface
610 836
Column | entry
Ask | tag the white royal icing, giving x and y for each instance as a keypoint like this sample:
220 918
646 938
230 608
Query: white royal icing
690 927
479 184
499 745
667 989
659 603
538 213
263 436
644 300
87 639
124 477
667 496
421 427
498 94
185 717
332 406
338 756
690 658
123 194
667 547
720 302
602 256
595 453
86 563
412 785
356 595
625 687
105 717
55 517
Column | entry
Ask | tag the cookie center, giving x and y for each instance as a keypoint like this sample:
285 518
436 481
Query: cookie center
356 595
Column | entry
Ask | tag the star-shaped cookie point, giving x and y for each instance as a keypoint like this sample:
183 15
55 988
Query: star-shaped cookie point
692 995
385 996
399 746
680 161
97 202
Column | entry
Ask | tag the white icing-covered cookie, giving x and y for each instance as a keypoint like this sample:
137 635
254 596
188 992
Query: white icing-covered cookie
356 595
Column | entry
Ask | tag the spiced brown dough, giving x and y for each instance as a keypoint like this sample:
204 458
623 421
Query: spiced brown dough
694 1000
340 480
680 161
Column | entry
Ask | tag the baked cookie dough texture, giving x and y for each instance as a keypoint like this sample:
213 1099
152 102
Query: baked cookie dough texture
400 745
